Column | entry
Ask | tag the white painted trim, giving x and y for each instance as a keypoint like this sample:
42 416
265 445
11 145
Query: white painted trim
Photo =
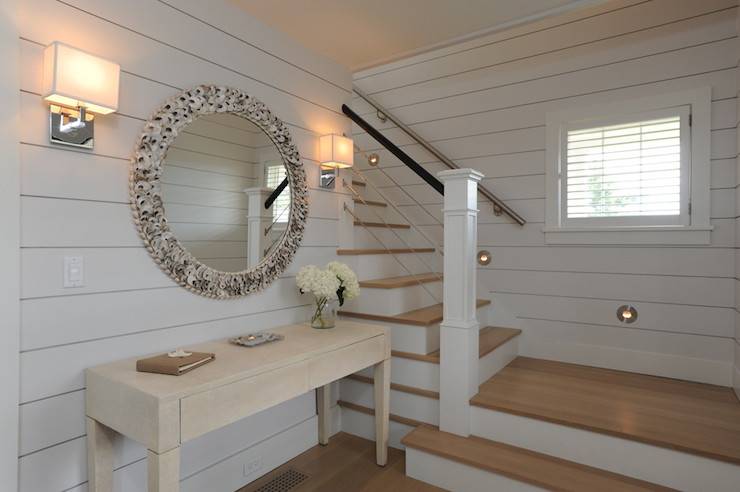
654 464
9 244
696 232
503 26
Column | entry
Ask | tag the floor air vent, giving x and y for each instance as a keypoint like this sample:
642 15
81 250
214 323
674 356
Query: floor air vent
288 480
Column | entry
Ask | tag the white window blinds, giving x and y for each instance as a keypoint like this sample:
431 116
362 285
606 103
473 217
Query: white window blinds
274 175
632 169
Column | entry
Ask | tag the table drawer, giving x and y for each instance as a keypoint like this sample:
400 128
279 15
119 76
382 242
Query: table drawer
220 406
345 361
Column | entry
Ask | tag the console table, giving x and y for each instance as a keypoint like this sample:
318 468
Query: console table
162 412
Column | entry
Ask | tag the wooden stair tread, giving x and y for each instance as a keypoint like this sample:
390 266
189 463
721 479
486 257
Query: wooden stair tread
691 417
490 338
358 183
382 251
402 281
399 387
382 225
370 203
371 411
521 464
419 317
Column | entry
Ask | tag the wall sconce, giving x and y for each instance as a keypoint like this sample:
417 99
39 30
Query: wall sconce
484 257
335 152
75 83
627 314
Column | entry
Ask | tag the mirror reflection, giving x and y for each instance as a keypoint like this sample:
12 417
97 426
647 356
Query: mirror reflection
218 175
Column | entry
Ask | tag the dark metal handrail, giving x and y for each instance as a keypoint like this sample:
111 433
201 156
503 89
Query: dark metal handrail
275 193
498 205
393 148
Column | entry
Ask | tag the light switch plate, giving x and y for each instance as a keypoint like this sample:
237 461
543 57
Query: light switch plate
74 271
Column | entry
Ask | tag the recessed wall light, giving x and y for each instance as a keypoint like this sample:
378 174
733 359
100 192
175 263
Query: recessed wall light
484 257
373 159
627 314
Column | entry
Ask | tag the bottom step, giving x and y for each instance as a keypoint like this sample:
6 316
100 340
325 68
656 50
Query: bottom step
474 464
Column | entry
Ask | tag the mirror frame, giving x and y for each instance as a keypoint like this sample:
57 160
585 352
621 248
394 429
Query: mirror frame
160 131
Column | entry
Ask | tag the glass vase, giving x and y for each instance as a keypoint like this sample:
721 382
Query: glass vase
325 314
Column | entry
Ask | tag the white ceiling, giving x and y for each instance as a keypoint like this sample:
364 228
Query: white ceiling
362 33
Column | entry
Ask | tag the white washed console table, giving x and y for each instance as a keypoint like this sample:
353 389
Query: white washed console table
162 412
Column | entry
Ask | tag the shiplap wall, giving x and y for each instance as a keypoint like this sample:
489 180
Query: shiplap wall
483 103
76 203
205 174
736 372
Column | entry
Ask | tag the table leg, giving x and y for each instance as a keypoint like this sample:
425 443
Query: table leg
99 456
323 402
382 387
163 471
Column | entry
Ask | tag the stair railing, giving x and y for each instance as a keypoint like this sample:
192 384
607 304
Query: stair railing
499 206
403 190
395 257
397 209
382 220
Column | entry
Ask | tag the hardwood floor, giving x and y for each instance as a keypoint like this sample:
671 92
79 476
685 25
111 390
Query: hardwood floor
691 417
347 464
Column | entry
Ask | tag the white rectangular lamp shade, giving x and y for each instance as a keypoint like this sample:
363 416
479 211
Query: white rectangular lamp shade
336 151
74 78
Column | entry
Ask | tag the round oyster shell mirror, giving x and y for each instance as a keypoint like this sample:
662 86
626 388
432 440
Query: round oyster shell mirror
208 156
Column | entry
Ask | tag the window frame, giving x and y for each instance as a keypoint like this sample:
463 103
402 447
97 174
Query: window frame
692 226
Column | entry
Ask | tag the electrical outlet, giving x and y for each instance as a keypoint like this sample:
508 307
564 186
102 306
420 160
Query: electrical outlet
74 271
251 467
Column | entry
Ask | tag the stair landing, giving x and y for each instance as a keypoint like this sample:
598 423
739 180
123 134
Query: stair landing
691 417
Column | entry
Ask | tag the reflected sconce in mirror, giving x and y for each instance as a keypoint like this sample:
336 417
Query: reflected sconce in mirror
335 152
77 84
627 314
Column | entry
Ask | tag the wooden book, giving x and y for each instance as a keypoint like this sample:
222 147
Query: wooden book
164 364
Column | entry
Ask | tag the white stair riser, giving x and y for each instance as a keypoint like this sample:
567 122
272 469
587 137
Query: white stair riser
363 425
458 477
388 302
378 237
493 362
385 265
655 464
410 372
411 338
372 213
403 404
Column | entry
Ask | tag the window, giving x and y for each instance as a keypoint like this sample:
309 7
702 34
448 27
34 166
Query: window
630 172
274 175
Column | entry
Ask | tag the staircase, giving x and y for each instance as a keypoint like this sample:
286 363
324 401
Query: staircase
535 424
401 289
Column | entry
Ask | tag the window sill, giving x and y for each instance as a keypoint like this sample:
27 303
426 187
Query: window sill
657 235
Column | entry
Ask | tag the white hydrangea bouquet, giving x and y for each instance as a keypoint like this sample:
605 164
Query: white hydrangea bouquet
336 282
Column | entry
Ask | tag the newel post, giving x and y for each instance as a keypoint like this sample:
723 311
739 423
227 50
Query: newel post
459 328
259 219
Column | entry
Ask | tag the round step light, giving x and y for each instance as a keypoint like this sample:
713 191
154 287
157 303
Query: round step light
484 257
627 314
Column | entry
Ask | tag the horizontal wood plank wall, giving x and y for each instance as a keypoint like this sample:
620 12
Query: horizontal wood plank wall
483 103
76 203
736 324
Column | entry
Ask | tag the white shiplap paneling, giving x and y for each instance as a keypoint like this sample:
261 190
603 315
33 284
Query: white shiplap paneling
483 103
76 203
